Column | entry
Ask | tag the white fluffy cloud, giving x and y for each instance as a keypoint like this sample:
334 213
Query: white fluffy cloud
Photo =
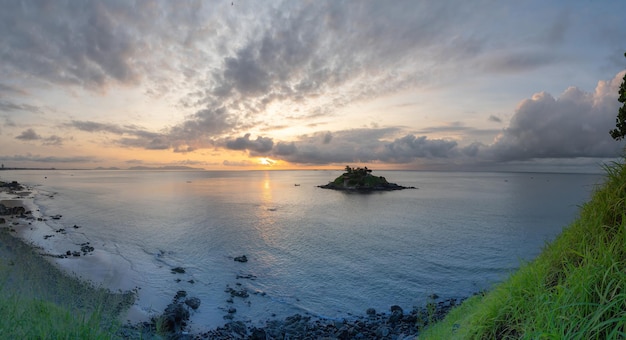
574 124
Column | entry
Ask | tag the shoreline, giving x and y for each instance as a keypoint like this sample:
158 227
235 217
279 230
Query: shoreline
30 227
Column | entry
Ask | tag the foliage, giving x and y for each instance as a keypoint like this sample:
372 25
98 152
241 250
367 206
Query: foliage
575 289
359 178
620 122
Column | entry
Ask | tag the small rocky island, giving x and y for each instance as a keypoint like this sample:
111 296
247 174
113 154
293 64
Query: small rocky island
361 180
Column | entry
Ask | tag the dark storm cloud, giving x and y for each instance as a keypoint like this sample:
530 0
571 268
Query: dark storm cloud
575 124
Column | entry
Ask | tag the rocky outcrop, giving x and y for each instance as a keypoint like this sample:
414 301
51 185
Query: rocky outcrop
16 210
361 180
385 187
393 325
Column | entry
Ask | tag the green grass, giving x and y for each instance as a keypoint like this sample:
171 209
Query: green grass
575 289
38 301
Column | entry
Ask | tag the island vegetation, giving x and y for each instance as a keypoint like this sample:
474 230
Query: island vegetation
361 179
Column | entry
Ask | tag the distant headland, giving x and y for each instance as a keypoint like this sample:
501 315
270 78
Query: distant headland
361 180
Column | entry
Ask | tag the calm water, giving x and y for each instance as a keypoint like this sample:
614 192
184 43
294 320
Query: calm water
328 253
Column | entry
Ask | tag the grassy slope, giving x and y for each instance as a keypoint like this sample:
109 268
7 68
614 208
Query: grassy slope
575 289
38 301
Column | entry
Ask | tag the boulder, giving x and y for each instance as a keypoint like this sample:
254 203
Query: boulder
175 317
193 303
242 258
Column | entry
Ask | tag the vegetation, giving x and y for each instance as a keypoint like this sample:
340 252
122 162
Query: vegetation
575 289
620 122
359 178
38 301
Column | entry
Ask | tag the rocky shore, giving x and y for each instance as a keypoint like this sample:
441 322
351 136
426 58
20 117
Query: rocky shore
393 324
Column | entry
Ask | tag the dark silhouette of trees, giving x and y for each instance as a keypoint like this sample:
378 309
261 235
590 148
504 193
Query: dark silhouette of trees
620 122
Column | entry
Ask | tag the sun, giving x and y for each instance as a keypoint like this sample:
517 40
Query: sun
267 161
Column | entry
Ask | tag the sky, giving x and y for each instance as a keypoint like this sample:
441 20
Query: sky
248 84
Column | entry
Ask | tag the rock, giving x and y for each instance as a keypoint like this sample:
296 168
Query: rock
433 296
86 248
232 310
396 308
396 314
241 258
237 327
258 334
370 312
179 295
175 317
178 270
193 302
243 293
56 217
2 221
383 331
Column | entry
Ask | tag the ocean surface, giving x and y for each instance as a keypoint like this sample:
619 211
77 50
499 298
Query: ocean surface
310 250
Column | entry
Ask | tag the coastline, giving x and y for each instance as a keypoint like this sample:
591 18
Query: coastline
28 279
29 229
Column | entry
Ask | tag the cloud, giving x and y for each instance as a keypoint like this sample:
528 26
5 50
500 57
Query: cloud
8 106
53 140
242 163
28 135
90 126
574 124
259 146
83 43
11 90
139 138
494 119
362 145
518 61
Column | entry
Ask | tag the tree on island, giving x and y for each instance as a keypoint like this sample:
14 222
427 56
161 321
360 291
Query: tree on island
620 122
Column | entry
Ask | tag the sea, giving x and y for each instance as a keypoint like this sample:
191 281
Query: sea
310 251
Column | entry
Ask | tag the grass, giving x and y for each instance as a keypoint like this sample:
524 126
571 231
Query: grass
575 289
38 301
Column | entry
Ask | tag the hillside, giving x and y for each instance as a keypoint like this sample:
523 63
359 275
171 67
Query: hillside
575 289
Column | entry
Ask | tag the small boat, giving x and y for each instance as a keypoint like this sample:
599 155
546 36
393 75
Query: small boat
296 185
